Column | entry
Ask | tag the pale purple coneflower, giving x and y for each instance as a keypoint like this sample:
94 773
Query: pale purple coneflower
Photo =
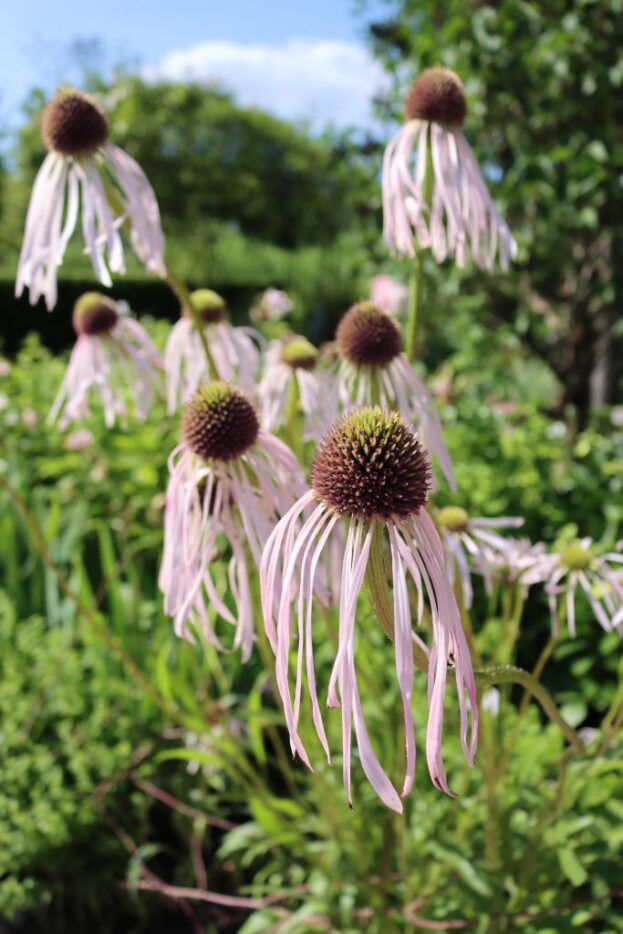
78 440
81 171
114 358
292 378
229 483
374 370
371 477
473 545
518 561
579 566
29 417
389 294
434 195
234 350
272 305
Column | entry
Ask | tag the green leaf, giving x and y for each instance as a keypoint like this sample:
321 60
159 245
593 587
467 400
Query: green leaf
571 866
463 867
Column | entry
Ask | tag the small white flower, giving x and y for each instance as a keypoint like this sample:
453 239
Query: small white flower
491 702
578 566
474 545
273 305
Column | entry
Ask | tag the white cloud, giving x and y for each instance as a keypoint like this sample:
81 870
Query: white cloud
325 81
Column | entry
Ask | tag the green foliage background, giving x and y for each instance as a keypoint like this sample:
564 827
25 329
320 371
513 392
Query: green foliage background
131 760
82 740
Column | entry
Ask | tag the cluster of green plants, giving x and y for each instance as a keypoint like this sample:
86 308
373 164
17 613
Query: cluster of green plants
150 781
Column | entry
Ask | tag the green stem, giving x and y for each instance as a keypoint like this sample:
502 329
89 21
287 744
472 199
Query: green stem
377 585
537 671
415 301
611 723
509 674
291 427
417 274
183 295
175 284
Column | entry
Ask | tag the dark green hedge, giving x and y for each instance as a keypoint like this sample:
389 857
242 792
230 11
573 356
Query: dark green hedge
151 297
145 297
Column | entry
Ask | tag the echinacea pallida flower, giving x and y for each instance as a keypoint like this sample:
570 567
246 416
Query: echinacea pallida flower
272 305
234 350
433 191
373 369
229 484
473 544
80 164
292 367
114 358
371 477
580 566
389 294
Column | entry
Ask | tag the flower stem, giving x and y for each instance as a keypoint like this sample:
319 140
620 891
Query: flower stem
377 585
416 287
181 292
509 674
417 274
175 284
292 426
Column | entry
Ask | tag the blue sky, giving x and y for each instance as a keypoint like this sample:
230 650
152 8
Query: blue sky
301 59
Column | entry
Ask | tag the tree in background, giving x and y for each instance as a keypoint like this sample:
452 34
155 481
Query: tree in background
544 83
247 200
211 159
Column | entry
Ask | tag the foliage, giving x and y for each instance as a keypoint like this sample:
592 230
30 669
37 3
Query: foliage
148 781
219 168
529 844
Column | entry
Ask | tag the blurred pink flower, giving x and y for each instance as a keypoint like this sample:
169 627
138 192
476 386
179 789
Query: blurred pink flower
578 566
234 350
292 366
29 417
113 357
273 305
389 294
78 440
473 545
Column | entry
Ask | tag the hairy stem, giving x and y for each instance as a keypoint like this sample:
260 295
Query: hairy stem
181 292
416 287
417 274
175 284
377 585
509 674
